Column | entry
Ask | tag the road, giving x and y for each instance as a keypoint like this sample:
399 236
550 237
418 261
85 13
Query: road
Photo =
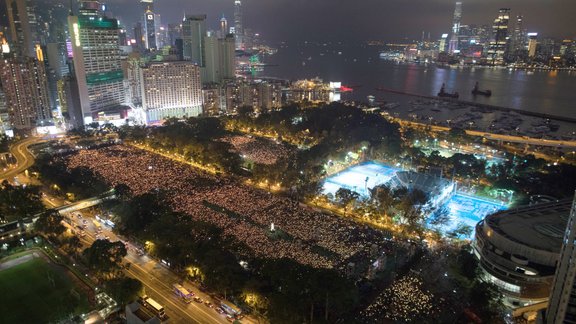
498 137
156 278
24 158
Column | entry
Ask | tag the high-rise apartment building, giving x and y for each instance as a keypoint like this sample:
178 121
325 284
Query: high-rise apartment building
453 45
25 85
193 36
97 64
134 64
22 25
562 303
220 58
498 44
171 89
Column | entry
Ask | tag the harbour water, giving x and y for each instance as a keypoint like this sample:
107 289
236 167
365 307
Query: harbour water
549 92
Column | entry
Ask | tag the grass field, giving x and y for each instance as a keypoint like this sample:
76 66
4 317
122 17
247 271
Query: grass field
28 296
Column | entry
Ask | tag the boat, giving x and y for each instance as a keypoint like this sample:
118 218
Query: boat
445 94
476 91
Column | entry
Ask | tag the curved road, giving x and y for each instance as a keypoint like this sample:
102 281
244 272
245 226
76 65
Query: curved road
24 158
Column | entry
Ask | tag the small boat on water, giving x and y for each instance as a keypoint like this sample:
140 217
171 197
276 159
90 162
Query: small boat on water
445 94
476 91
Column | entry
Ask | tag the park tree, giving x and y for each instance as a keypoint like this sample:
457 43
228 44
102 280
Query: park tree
346 197
73 243
50 223
17 202
461 230
440 217
123 289
104 256
383 196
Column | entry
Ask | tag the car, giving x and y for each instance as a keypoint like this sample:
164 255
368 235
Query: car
198 300
84 221
208 304
220 310
230 318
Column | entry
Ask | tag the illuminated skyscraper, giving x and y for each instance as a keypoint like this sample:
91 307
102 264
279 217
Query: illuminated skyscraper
453 45
499 42
518 40
97 65
238 27
532 43
223 27
149 23
562 303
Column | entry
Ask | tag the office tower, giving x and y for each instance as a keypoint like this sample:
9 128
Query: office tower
223 27
97 64
139 37
498 44
532 43
149 30
56 55
179 44
171 89
89 8
442 43
193 32
453 45
174 33
25 85
518 39
562 303
22 27
238 28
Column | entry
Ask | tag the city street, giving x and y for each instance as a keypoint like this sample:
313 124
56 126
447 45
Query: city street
24 158
156 278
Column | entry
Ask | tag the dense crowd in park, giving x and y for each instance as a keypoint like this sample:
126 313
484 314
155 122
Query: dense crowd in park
244 213
258 150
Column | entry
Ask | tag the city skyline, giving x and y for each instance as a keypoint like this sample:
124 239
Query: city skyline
356 21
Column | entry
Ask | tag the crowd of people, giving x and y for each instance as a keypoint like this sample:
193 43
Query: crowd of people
242 212
403 301
258 150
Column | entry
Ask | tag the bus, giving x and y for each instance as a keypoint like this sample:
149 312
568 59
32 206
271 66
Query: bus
183 293
154 306
230 308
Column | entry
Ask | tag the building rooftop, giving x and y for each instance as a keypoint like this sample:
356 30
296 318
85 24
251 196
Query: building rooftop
540 226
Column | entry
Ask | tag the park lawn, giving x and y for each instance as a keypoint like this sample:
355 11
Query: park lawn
27 296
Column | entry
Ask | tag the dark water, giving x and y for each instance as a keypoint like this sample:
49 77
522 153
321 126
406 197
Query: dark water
550 92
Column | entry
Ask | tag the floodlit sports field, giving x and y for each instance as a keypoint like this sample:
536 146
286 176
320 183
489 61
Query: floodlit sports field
363 177
359 178
470 210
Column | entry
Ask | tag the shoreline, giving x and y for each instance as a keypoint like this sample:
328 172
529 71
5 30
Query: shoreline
484 106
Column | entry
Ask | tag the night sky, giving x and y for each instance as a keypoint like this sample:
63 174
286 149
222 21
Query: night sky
361 19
